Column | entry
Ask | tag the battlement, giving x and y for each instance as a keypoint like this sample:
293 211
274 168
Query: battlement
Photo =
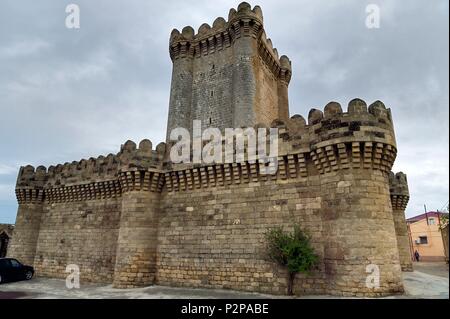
244 21
398 185
361 138
31 177
87 179
333 123
142 157
30 184
243 13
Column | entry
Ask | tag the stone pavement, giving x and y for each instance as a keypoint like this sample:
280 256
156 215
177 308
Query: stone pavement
432 268
429 280
44 288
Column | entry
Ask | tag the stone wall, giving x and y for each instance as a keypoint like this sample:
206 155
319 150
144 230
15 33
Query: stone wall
7 228
227 75
212 89
6 232
137 242
266 97
214 237
28 221
135 218
399 199
359 232
81 233
338 163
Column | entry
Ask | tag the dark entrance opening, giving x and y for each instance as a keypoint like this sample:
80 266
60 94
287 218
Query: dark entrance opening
4 240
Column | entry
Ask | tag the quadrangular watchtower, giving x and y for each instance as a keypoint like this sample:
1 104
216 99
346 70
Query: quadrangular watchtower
228 75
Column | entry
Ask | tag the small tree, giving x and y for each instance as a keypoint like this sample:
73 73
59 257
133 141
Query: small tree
444 222
291 250
444 218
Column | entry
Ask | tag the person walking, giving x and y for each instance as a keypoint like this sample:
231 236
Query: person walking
417 256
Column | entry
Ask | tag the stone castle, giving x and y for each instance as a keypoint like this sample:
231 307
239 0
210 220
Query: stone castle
136 219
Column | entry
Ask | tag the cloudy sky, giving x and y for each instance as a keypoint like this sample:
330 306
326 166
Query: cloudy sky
69 94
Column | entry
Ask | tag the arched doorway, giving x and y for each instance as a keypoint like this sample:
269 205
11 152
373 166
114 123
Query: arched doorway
4 240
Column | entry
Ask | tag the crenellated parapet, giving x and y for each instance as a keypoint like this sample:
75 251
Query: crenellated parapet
30 184
142 157
331 140
96 178
363 137
141 168
398 184
243 22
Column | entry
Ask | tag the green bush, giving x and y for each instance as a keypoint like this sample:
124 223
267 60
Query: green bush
291 250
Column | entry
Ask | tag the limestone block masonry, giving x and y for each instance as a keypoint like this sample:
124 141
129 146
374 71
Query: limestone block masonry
228 75
135 219
399 198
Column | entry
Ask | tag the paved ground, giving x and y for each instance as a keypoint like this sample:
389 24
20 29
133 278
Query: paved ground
432 268
44 288
429 280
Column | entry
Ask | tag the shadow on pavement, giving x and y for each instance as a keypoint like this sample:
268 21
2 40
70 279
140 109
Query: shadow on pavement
13 295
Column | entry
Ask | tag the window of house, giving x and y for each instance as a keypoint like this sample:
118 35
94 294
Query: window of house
431 221
423 240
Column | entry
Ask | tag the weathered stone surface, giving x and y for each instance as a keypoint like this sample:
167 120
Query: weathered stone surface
227 76
135 218
399 199
6 233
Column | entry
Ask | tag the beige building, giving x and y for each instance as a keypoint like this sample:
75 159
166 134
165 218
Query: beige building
426 237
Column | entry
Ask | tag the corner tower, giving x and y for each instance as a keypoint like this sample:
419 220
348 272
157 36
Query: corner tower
228 75
398 185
